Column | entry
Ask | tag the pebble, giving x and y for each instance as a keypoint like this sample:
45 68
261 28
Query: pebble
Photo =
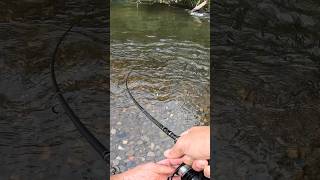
171 115
122 135
122 168
130 153
162 135
118 158
139 142
124 142
113 131
145 138
158 154
119 123
152 146
120 147
151 154
115 162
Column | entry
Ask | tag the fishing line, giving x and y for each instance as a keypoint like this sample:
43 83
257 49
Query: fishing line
93 141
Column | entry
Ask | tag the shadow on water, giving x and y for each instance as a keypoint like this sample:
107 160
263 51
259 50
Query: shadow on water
168 52
267 93
36 143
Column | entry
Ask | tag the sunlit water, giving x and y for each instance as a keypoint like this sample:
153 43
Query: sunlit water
167 50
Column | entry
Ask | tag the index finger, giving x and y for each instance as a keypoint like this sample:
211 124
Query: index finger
171 162
162 169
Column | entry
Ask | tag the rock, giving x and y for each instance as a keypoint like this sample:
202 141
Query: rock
158 154
122 168
118 158
139 142
162 135
113 131
119 123
122 135
115 162
145 138
124 142
152 146
151 154
120 147
130 153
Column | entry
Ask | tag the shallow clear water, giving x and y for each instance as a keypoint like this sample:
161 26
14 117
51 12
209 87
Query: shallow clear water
167 51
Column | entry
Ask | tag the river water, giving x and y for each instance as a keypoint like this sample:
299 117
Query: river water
167 50
266 89
36 143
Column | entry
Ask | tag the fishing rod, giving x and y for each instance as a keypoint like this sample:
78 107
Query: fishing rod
185 171
93 141
157 123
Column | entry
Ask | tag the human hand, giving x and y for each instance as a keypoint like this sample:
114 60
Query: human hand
150 171
193 147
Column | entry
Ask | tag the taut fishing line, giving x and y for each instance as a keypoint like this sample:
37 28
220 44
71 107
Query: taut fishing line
185 171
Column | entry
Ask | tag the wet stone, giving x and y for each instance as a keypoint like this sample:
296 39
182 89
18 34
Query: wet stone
130 153
120 147
113 131
151 154
122 135
162 135
122 168
145 138
152 146
115 162
158 154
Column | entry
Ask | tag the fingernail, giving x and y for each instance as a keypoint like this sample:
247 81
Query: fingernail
207 172
166 153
